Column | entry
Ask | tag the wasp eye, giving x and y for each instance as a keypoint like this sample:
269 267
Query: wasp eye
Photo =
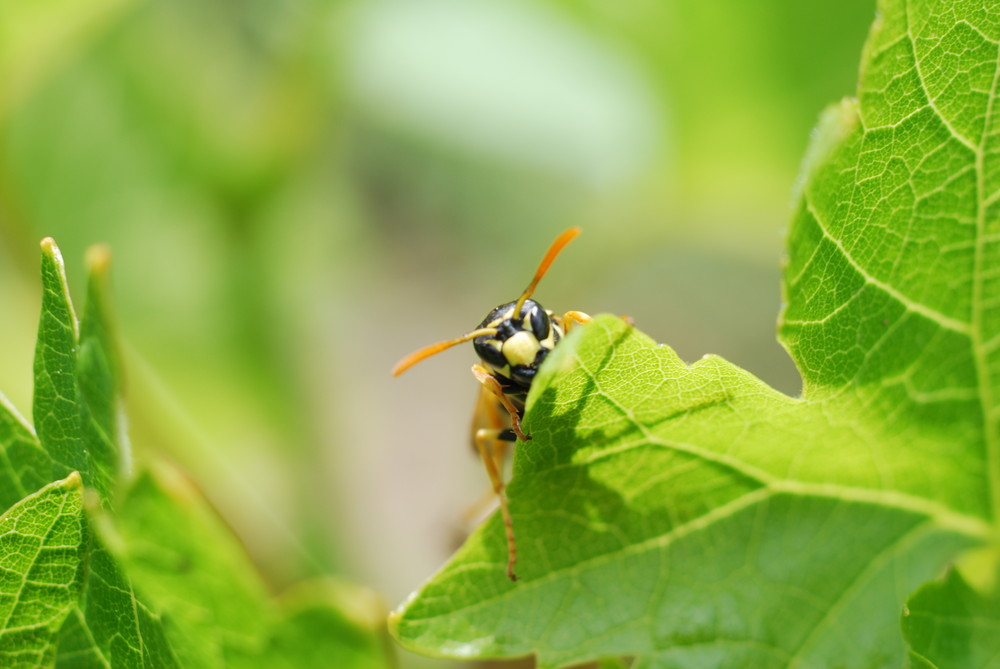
539 323
490 352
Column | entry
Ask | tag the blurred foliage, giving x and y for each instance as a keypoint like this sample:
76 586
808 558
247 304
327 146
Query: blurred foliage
122 563
299 193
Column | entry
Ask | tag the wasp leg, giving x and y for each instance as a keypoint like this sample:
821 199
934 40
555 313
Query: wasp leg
489 414
492 385
571 318
486 443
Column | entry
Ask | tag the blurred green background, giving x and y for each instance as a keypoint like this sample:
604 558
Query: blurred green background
299 193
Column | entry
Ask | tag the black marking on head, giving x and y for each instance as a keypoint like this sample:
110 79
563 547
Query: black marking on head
539 323
506 329
496 315
487 352
504 313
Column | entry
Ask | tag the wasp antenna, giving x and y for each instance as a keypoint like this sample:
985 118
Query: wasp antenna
557 246
434 349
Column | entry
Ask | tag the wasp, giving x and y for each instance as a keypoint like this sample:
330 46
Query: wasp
511 342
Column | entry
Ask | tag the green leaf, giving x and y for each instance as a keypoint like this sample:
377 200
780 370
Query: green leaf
611 663
76 389
161 581
98 380
690 516
55 409
327 623
950 625
112 626
200 601
24 464
42 548
191 570
156 579
672 514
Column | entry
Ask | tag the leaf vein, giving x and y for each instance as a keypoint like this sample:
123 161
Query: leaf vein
923 84
978 345
933 315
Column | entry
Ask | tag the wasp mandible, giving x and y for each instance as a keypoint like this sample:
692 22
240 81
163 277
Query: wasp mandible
511 342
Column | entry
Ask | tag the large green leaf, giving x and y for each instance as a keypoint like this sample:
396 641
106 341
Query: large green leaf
690 516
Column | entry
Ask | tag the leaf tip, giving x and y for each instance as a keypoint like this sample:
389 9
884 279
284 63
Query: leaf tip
51 249
392 621
99 259
74 480
395 617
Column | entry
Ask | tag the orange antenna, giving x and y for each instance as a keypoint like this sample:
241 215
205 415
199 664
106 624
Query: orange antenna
434 349
557 246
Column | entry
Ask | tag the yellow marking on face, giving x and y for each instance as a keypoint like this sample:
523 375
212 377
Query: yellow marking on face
505 316
521 348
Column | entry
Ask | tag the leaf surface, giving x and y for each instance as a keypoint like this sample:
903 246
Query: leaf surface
951 625
98 380
192 571
24 465
55 410
76 389
112 625
690 516
42 547
325 622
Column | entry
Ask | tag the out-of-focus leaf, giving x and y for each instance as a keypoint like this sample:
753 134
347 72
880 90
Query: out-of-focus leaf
98 380
611 663
154 579
326 623
950 625
192 571
42 550
112 625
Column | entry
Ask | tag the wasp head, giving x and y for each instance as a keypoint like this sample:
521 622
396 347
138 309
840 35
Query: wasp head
520 342
515 337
